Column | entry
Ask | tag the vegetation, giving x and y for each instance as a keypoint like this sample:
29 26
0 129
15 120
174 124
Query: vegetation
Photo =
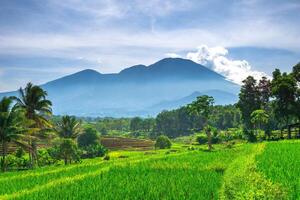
182 167
163 142
240 172
203 107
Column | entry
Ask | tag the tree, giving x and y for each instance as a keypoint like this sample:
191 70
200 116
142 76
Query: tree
68 127
296 75
203 107
68 150
249 100
37 108
11 127
163 142
259 118
264 88
284 89
136 124
90 136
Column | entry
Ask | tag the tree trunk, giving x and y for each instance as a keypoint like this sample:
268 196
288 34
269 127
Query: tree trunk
209 140
289 132
3 162
30 154
288 128
66 160
34 153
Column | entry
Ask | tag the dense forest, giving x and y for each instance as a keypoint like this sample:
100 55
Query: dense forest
266 110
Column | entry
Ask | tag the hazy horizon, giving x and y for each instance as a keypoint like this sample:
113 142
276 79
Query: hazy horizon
43 41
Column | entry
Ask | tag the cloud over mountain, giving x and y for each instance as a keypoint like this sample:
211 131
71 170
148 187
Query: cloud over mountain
217 59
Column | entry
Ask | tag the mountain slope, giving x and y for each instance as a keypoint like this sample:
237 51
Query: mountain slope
135 90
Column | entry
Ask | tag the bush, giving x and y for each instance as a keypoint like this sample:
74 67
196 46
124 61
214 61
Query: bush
90 136
163 142
45 158
19 152
215 140
93 151
250 135
106 157
68 151
13 162
202 138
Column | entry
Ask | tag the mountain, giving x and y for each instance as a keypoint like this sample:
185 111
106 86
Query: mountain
221 98
137 90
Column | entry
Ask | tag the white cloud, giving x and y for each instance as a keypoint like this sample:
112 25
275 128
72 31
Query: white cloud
216 59
173 55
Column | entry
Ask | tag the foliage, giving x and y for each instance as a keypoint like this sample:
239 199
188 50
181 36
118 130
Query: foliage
163 142
93 150
68 151
45 158
13 162
68 127
90 136
203 107
250 135
202 138
33 101
284 89
249 100
11 127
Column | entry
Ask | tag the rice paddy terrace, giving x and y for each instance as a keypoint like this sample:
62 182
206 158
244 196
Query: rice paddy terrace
110 142
244 171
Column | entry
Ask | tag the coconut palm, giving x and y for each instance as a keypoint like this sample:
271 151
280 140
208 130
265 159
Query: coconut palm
68 127
11 127
37 108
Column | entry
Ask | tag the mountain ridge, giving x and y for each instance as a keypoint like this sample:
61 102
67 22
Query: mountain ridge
135 89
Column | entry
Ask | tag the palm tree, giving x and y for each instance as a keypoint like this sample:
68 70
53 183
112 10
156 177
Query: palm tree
68 127
37 108
68 130
11 127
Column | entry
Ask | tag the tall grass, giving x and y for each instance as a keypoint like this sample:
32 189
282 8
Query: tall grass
280 162
183 175
246 171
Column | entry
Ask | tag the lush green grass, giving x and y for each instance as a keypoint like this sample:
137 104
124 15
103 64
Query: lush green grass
167 174
156 175
280 162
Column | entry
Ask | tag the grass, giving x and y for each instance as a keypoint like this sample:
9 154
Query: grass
241 172
280 162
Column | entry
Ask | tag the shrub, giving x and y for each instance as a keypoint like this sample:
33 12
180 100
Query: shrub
68 151
202 138
45 158
250 135
13 162
106 157
93 151
215 140
163 142
90 136
19 152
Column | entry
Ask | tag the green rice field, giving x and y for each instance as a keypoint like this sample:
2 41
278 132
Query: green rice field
245 171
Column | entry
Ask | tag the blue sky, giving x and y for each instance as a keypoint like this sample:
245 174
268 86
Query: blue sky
44 40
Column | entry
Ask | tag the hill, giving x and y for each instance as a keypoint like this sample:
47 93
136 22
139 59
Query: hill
136 90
